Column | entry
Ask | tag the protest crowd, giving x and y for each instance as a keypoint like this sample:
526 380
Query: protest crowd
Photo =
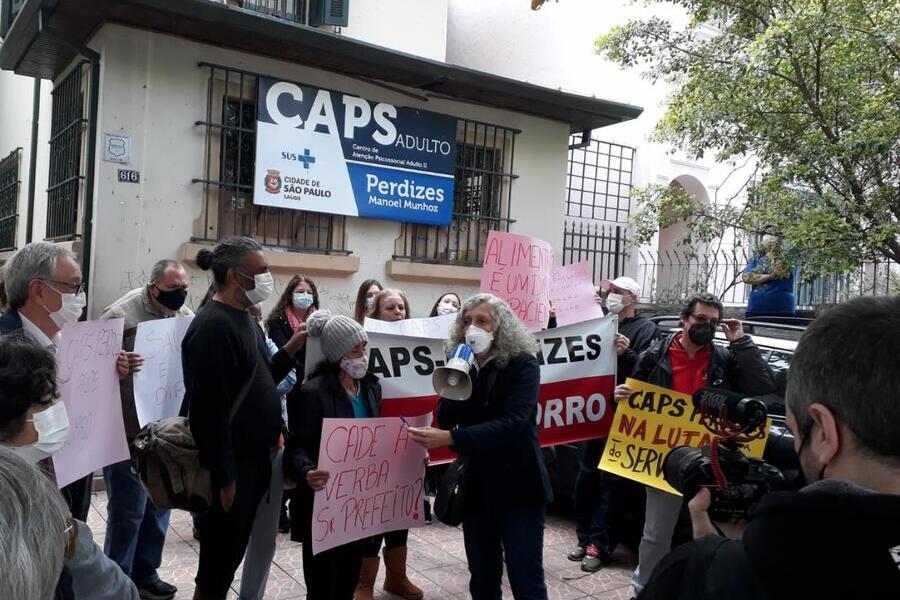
291 421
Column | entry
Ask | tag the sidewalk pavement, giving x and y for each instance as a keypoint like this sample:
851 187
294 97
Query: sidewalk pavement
437 563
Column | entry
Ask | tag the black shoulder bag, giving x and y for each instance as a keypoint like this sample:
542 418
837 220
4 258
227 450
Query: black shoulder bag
449 501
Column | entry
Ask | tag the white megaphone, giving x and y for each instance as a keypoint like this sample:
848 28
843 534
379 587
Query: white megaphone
452 381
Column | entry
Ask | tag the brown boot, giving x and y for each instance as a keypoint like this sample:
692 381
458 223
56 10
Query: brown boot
367 574
395 580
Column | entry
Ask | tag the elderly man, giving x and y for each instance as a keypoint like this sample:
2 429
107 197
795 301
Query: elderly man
135 529
44 291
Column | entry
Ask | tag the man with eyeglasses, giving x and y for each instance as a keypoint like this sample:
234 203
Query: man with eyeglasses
44 290
686 361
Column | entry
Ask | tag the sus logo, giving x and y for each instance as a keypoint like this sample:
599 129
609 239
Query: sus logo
273 181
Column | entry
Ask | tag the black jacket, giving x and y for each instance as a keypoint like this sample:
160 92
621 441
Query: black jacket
739 368
641 332
10 322
496 429
280 332
830 540
321 397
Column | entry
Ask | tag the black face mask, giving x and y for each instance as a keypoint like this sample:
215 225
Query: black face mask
702 333
172 300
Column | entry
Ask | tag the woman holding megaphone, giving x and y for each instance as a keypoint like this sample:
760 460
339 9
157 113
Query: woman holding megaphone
495 433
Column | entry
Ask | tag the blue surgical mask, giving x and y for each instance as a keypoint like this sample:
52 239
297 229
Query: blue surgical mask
302 300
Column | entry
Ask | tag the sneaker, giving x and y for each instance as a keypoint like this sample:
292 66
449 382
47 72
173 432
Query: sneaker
158 590
576 553
593 560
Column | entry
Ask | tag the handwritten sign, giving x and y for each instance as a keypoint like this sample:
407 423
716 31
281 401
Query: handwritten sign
428 327
159 385
647 426
89 386
578 374
518 269
376 480
572 293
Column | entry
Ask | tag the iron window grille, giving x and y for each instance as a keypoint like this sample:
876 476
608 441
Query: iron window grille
599 181
67 148
228 209
291 10
602 246
9 198
482 197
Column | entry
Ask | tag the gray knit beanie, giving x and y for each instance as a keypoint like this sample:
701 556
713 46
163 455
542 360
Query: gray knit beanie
339 333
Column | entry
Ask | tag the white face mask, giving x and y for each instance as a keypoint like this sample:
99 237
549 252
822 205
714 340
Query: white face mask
370 302
52 426
479 339
355 367
446 308
264 286
615 303
302 300
70 311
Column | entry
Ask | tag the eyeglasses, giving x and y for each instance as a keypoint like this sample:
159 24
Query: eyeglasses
704 320
71 532
76 288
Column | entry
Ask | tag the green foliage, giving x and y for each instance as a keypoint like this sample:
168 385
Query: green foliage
810 90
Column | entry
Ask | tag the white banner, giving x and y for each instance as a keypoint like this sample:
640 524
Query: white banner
159 385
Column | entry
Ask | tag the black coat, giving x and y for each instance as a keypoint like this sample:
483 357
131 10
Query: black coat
321 397
739 368
496 430
831 540
10 322
279 331
641 332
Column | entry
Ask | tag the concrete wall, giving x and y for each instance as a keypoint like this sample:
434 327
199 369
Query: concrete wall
16 100
413 26
153 90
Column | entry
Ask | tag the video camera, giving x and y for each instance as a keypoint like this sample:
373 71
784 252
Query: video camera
736 481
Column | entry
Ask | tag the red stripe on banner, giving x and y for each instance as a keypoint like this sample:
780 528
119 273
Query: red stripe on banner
568 411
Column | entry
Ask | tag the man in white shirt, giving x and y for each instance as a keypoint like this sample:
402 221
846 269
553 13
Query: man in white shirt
44 290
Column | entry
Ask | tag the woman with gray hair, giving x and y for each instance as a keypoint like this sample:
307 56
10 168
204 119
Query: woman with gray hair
35 530
495 432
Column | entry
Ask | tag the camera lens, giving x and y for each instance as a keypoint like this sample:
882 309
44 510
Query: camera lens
683 465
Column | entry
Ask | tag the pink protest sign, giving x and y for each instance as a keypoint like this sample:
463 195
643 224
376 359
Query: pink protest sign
572 294
89 386
376 480
517 268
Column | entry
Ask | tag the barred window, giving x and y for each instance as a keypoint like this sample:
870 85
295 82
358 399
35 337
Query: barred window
599 181
481 200
9 198
67 148
228 209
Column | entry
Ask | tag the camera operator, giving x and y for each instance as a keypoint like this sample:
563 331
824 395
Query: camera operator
839 537
687 361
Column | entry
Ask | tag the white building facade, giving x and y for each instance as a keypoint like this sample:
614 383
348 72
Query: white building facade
145 139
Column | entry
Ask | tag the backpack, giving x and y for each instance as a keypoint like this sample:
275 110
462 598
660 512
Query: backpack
167 460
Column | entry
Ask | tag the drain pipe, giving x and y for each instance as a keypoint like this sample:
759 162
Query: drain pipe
89 171
32 165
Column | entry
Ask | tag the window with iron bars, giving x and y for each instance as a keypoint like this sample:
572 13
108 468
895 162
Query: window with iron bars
481 200
9 198
599 181
291 10
230 127
66 181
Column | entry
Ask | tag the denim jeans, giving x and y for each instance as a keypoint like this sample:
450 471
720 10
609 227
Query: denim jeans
599 500
135 529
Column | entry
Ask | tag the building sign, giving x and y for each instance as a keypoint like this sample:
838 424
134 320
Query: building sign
329 152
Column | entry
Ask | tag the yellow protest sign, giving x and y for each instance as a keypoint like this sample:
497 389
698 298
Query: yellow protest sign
649 424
